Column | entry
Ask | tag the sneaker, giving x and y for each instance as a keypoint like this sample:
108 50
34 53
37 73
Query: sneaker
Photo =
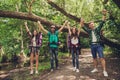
94 70
77 70
57 68
51 70
36 72
74 68
31 72
105 73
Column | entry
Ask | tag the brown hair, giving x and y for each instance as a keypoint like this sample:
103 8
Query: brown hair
76 33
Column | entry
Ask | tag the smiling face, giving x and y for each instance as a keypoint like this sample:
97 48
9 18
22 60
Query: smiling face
91 25
74 30
35 33
52 28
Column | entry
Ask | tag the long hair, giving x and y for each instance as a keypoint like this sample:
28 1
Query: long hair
35 35
74 34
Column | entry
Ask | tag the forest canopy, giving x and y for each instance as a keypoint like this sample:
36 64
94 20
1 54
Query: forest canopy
13 14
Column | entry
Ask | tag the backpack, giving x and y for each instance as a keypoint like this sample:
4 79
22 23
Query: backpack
54 42
68 40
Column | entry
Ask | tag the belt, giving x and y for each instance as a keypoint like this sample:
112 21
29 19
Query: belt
94 42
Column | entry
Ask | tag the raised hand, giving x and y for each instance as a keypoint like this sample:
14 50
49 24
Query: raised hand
27 29
25 23
68 25
42 28
65 22
38 22
104 11
82 22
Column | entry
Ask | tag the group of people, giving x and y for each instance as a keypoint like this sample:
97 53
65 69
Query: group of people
95 44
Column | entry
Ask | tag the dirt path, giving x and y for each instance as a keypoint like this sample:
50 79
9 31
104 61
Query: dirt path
66 70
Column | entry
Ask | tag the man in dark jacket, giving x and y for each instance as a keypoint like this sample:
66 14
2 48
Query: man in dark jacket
95 42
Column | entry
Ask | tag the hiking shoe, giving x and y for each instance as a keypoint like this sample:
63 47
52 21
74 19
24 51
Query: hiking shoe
77 70
36 72
51 70
74 68
105 73
31 72
94 70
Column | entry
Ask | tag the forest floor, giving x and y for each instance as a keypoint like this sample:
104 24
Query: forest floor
66 71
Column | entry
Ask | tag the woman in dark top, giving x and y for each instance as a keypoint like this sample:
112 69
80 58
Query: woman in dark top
74 46
34 47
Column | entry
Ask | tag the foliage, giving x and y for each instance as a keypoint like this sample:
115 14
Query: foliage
10 36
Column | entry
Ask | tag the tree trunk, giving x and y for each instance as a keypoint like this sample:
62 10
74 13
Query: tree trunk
117 2
25 16
110 43
31 17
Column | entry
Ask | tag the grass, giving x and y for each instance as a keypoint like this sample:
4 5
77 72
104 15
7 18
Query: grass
44 66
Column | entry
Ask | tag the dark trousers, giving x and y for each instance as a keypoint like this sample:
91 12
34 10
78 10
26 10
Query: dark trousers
54 58
75 57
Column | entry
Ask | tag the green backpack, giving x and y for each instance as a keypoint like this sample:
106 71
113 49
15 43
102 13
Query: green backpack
53 39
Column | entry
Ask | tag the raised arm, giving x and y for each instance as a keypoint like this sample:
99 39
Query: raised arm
62 26
27 29
83 26
42 28
82 22
104 12
68 26
79 28
103 19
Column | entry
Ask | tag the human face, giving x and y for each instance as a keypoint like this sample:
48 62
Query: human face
91 25
74 30
35 33
52 29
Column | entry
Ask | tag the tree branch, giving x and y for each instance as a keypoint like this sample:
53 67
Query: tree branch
75 18
26 16
110 43
30 6
63 11
117 2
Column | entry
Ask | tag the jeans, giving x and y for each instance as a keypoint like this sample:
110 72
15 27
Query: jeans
75 57
53 55
97 48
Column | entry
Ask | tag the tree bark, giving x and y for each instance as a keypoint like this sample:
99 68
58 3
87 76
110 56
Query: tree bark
75 18
117 2
63 11
106 41
25 16
110 43
31 17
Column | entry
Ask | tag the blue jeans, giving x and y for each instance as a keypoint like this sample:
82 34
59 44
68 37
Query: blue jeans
53 55
75 57
97 48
